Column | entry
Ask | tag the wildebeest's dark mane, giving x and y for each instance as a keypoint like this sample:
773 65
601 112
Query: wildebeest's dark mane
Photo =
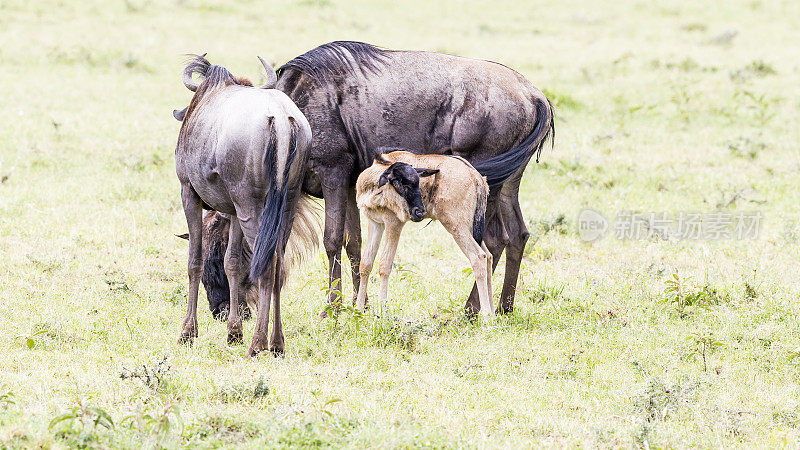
337 59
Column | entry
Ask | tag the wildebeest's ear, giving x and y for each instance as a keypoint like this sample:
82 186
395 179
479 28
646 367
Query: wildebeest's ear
426 172
179 114
183 236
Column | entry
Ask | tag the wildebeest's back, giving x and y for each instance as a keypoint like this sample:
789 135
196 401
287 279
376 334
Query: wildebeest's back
438 103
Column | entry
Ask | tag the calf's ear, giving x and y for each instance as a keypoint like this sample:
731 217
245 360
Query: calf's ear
179 114
426 172
384 178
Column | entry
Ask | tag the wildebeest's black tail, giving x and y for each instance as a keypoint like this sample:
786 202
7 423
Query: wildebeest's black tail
285 169
498 168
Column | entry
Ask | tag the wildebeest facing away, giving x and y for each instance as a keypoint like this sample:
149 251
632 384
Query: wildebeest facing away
401 186
242 151
358 97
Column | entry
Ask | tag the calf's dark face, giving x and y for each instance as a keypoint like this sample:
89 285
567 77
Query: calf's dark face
405 180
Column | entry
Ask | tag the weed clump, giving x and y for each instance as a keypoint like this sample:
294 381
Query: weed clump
246 392
151 375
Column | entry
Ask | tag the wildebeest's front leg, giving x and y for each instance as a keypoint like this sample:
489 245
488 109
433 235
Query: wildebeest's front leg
334 190
352 245
374 234
235 269
193 209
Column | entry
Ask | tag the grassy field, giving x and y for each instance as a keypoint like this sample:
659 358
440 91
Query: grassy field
662 107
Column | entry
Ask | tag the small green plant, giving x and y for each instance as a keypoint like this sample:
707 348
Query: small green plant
7 400
658 402
745 147
686 298
155 429
83 425
704 345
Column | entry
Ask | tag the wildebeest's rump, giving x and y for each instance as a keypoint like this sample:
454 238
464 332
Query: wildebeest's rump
358 97
239 145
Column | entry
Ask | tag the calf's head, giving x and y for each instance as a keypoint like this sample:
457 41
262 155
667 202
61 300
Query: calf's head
404 178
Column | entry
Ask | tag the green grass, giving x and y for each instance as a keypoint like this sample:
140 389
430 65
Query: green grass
655 343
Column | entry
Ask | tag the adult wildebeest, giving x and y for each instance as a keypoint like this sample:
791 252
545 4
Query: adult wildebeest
401 186
358 97
242 151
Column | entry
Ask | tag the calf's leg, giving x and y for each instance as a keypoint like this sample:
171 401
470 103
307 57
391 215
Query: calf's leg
393 230
193 210
374 234
481 268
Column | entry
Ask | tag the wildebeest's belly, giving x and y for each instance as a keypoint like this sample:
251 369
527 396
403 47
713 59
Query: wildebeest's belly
214 193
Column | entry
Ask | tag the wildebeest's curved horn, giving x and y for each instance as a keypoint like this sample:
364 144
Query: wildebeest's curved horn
187 79
189 71
272 77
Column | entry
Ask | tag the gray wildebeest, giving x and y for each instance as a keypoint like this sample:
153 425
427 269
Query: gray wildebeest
359 97
401 186
243 151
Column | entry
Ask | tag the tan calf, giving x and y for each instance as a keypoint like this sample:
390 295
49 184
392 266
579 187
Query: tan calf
401 186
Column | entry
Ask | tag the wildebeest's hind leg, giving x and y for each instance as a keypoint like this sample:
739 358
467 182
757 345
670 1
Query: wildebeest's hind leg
248 220
276 340
193 209
352 245
334 190
235 269
518 237
265 289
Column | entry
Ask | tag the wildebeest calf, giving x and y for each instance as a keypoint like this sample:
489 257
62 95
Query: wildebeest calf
401 186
